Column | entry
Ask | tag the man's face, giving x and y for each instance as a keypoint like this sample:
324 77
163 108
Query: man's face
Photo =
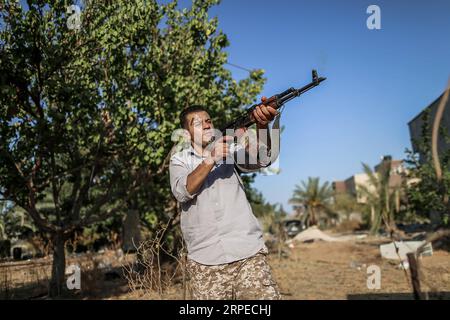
200 127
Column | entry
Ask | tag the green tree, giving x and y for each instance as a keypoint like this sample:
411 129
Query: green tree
425 192
269 214
345 204
2 220
423 195
382 198
16 223
315 197
87 114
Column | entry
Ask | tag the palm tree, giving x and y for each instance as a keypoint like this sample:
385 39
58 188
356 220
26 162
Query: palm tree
314 197
381 197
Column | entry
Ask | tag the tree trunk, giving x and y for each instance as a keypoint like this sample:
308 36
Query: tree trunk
397 201
376 218
59 265
414 265
372 215
313 217
435 147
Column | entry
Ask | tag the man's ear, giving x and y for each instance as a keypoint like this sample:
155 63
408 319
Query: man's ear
186 135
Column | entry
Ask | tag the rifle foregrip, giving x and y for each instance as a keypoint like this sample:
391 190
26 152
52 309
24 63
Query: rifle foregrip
272 101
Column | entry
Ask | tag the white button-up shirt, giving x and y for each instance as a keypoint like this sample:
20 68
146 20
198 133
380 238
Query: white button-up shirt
217 221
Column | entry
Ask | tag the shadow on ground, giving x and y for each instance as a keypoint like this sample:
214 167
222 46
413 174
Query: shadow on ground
397 296
95 285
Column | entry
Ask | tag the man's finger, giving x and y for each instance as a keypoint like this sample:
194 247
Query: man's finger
256 116
266 112
263 99
261 114
272 110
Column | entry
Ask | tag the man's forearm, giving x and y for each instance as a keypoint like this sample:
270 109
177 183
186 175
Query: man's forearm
197 177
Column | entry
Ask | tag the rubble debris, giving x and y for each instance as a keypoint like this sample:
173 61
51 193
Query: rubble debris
389 251
312 234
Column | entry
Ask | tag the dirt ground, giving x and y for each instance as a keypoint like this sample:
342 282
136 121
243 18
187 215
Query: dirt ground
338 271
318 270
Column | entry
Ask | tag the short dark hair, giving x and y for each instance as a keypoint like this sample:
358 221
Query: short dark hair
189 110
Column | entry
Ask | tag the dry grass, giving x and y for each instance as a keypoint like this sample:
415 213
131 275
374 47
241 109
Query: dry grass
148 277
338 270
317 270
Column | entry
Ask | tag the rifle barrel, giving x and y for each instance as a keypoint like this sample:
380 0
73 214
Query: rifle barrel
300 91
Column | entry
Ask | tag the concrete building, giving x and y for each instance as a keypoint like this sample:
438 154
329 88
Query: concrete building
397 173
423 123
353 184
339 187
424 120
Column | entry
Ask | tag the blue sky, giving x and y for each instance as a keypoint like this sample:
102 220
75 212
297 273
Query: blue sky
378 80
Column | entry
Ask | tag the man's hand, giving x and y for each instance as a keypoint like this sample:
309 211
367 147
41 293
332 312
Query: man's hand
220 150
264 114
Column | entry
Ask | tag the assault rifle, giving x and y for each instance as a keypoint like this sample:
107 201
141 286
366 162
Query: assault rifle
277 101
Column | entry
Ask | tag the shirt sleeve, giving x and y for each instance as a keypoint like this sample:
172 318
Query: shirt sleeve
178 180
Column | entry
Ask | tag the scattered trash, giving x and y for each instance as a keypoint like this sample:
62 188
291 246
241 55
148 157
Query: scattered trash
119 255
389 251
404 265
357 265
292 227
105 265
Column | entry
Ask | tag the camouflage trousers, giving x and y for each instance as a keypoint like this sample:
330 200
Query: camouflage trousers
247 279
